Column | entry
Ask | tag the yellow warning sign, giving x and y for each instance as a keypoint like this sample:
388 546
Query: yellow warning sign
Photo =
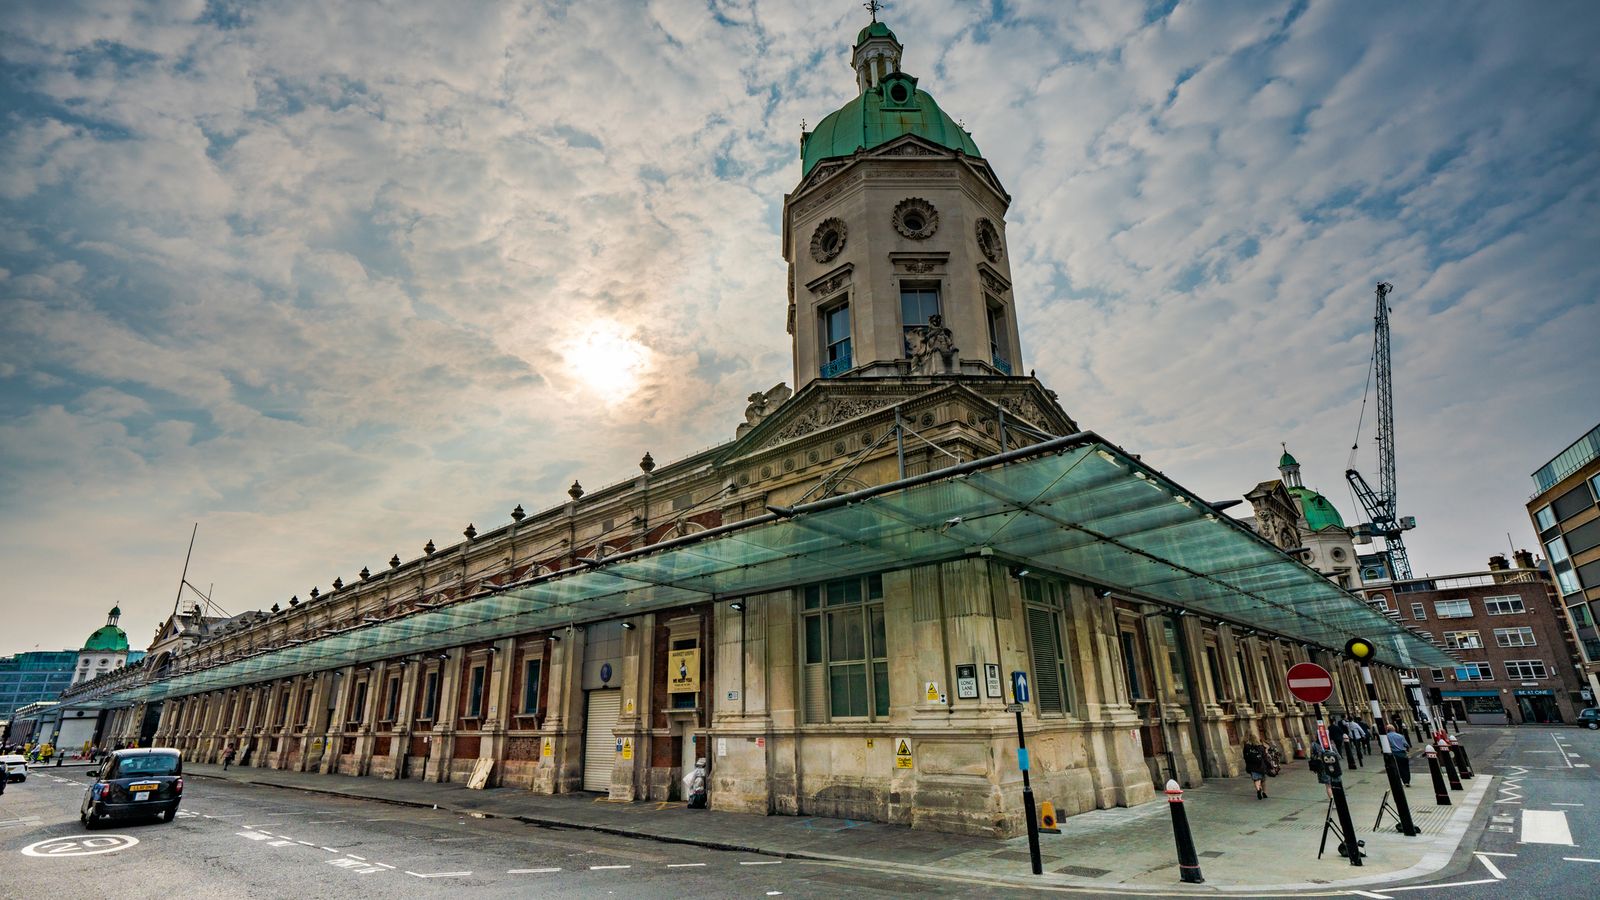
902 753
902 762
549 748
933 692
627 748
902 747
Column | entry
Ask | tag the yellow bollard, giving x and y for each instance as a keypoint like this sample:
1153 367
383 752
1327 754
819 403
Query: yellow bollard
1047 818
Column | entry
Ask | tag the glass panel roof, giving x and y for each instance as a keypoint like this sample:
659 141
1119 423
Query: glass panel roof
1078 507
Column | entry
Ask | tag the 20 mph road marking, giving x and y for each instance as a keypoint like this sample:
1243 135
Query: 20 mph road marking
59 847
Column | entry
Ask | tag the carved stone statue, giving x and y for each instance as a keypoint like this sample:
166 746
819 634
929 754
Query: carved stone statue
763 404
933 348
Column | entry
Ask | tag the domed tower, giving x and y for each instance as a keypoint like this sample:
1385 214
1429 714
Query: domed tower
895 237
105 650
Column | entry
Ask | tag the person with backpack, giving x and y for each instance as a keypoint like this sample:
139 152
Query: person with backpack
1256 764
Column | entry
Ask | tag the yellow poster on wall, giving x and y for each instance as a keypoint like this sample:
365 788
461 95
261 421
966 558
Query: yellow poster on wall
683 671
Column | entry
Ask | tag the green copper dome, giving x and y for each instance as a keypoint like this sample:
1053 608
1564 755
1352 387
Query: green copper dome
876 29
874 118
108 638
1319 512
1287 460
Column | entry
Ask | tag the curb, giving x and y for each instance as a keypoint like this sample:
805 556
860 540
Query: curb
1296 889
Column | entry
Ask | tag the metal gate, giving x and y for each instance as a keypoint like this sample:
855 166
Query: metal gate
600 740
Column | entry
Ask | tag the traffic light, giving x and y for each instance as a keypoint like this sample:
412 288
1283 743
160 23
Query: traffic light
1360 650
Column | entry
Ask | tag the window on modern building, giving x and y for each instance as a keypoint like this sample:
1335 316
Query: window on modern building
430 696
1130 664
1462 640
391 700
1503 606
1556 549
846 650
917 304
530 686
1043 602
475 692
1437 674
1474 671
1584 537
358 703
1515 637
1526 669
1589 574
835 340
1545 518
1572 502
1419 612
1566 578
997 337
1452 609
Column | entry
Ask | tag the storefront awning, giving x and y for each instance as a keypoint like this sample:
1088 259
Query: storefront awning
1075 506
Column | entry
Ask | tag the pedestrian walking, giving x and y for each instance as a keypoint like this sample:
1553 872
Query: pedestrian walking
1357 736
1396 745
227 757
694 785
1256 764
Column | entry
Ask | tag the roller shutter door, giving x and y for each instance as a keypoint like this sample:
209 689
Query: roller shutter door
600 740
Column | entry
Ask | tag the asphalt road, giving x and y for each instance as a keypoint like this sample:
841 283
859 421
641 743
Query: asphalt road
233 840
1538 835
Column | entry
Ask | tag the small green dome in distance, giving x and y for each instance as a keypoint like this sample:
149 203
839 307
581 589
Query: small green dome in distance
1320 513
876 29
116 611
107 639
1287 459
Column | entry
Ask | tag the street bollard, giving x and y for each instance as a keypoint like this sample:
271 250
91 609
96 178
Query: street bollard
1460 754
1188 860
1441 794
1449 764
1341 806
1397 790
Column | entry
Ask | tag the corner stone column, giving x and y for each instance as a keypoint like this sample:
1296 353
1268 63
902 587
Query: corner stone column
630 777
561 770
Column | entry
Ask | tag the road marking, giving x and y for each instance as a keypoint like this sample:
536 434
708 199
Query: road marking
1487 853
1372 895
1493 869
439 874
90 846
1561 751
353 856
330 849
252 835
1580 765
764 862
1566 804
531 871
595 868
1545 826
350 865
1579 859
684 865
280 843
306 843
385 865
1434 887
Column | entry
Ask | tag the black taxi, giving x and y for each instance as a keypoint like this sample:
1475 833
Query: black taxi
141 783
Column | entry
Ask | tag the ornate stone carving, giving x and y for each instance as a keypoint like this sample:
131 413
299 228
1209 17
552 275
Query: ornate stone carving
832 284
920 266
989 240
1024 408
830 412
761 405
933 348
827 241
916 218
992 284
908 149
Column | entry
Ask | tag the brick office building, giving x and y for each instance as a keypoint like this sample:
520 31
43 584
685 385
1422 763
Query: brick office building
1505 625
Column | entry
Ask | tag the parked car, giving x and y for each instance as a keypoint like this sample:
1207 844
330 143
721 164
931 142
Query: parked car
16 767
1589 718
143 783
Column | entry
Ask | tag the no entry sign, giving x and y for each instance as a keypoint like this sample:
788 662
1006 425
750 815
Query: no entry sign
1310 683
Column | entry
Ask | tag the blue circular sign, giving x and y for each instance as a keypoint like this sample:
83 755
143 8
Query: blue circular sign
605 672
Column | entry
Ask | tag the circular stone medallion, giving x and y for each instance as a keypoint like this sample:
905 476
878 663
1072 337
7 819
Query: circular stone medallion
989 240
916 218
828 240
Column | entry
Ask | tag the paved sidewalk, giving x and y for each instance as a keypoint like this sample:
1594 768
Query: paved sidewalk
1246 845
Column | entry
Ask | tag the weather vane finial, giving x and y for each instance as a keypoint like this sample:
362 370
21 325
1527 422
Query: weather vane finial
872 7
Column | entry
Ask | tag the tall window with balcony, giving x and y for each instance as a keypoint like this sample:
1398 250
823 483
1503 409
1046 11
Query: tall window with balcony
835 340
997 338
918 303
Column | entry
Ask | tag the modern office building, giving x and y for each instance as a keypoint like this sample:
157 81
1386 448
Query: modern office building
36 675
1566 517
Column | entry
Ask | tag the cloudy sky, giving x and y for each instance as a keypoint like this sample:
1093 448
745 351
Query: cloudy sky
333 279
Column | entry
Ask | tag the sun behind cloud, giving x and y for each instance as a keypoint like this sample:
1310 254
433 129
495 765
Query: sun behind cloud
607 360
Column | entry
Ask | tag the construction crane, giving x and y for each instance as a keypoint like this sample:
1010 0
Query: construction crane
1382 519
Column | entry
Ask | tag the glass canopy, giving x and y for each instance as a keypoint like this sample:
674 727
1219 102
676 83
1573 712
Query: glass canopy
1075 506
